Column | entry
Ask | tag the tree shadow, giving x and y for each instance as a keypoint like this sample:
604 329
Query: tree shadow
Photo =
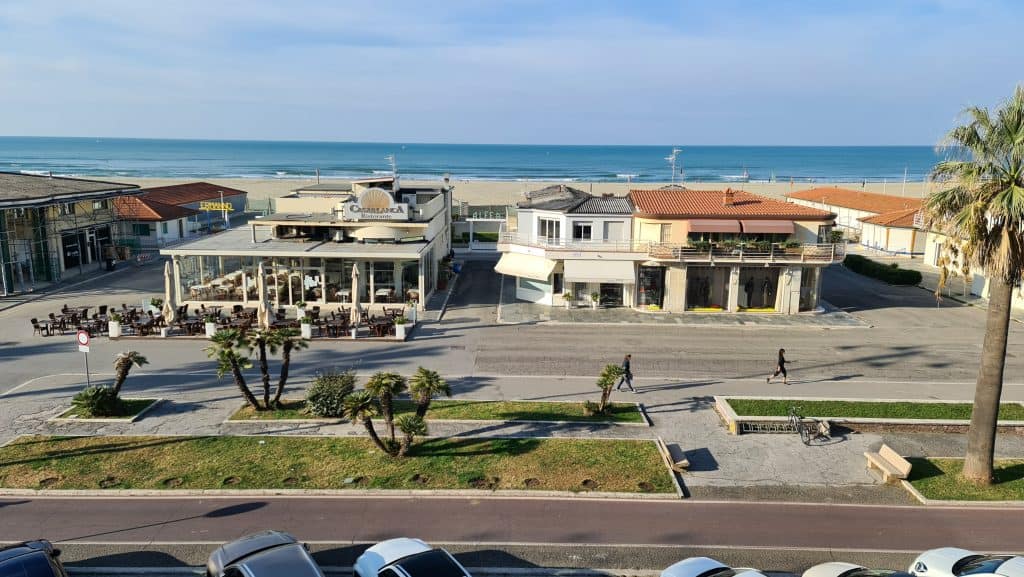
464 447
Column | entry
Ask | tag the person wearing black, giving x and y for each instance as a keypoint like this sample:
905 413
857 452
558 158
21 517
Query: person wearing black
781 368
627 375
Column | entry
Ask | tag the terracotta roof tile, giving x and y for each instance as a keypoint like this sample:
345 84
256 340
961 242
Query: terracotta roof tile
188 193
856 199
710 204
146 210
897 218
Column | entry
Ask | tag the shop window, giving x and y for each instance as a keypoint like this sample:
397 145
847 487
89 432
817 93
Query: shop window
581 231
533 285
557 282
651 288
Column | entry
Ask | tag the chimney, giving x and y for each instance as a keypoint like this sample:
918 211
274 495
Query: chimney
728 197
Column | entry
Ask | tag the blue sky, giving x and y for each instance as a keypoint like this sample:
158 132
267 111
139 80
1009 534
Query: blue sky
534 71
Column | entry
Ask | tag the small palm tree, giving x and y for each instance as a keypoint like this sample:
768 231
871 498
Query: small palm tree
291 340
123 363
424 386
386 386
262 342
411 426
361 407
605 382
982 214
226 347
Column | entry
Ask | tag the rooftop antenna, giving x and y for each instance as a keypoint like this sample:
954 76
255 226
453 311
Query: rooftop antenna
672 160
394 171
318 176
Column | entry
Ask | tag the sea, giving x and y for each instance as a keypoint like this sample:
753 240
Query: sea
165 158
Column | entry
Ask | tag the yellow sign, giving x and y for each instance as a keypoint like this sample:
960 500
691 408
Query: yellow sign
218 206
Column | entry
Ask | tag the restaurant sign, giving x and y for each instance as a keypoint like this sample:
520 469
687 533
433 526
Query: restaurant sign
375 204
216 206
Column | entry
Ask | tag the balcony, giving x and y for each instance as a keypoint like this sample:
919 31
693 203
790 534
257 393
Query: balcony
676 252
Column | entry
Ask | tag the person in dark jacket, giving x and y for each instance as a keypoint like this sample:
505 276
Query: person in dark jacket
627 375
780 368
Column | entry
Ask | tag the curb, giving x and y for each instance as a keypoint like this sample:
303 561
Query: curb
448 296
326 493
949 503
134 418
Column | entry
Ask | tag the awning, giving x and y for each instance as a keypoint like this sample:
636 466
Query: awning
768 226
711 225
525 265
606 271
378 233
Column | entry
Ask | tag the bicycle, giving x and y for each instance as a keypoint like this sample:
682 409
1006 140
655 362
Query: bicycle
809 429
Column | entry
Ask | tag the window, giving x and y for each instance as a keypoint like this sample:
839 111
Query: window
557 281
163 228
100 204
66 209
666 232
534 285
549 228
581 231
140 229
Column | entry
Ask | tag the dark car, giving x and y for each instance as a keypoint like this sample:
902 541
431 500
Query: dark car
266 554
31 559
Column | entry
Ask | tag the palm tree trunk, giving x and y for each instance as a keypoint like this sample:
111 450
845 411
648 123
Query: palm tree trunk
236 372
387 410
265 373
422 405
119 379
403 450
605 394
286 361
368 423
981 437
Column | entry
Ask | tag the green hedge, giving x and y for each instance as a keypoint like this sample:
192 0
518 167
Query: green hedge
890 273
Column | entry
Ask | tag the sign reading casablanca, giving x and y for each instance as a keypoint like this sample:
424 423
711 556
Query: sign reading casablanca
215 206
375 204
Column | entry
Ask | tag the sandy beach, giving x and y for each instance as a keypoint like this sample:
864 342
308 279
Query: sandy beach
480 192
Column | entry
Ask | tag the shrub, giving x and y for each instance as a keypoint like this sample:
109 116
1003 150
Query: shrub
97 401
891 273
836 236
326 397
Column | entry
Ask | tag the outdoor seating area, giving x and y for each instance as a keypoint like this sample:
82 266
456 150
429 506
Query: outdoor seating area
327 322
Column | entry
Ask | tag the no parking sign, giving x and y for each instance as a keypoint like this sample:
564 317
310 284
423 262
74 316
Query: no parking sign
83 341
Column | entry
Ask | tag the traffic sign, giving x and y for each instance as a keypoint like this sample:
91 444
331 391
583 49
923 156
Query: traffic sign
83 341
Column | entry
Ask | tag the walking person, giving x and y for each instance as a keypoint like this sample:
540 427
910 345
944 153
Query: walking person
627 375
780 368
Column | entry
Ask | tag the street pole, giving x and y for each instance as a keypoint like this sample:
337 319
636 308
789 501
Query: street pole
88 382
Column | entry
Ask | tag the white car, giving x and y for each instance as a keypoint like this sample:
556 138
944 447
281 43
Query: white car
707 567
404 557
953 562
840 569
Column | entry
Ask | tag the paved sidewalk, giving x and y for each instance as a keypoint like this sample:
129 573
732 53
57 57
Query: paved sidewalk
511 311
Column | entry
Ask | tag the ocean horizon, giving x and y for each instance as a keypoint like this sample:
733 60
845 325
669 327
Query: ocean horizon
193 158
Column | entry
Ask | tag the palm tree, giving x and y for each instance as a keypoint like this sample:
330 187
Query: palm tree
362 407
226 347
264 341
291 340
982 214
424 385
387 386
123 363
605 382
410 425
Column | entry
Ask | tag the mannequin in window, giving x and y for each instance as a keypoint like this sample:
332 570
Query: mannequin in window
766 288
748 289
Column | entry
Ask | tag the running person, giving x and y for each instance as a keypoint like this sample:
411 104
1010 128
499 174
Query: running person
780 368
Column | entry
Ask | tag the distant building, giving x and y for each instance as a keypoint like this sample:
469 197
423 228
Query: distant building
879 221
152 224
55 227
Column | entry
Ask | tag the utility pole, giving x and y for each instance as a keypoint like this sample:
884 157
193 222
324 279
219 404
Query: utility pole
672 161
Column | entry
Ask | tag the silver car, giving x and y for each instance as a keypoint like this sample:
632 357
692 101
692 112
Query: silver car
840 569
266 554
404 557
707 567
954 562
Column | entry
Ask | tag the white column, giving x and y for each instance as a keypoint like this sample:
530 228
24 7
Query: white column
369 281
398 280
734 289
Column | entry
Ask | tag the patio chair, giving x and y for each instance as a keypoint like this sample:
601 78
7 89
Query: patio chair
103 310
37 328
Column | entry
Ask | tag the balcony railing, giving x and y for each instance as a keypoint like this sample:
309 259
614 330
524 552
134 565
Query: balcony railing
775 253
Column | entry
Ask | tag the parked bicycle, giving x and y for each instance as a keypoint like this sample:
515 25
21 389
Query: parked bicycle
809 429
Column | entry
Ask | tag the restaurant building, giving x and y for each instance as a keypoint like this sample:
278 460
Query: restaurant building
395 237
677 250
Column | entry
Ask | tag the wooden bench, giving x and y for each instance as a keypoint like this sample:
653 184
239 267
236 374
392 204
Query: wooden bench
680 465
889 463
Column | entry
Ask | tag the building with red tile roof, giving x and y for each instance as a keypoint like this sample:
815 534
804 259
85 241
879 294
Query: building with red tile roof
191 193
854 199
894 232
720 204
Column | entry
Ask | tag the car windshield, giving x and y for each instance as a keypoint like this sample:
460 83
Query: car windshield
719 572
875 573
433 563
35 565
976 564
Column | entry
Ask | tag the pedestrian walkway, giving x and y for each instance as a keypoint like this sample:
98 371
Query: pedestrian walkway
512 311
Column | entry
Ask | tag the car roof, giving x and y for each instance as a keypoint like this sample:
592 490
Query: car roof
1012 567
292 560
254 543
387 552
433 563
23 548
692 567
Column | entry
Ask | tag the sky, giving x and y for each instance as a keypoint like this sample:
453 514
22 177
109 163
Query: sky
778 72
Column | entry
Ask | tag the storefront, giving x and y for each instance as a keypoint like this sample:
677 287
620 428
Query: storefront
707 288
611 280
651 286
758 288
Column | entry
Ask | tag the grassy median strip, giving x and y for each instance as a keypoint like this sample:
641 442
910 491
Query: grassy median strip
473 411
940 479
867 409
249 462
128 409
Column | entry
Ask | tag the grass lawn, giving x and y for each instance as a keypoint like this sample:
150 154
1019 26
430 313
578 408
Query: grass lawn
940 479
472 411
129 408
854 409
249 462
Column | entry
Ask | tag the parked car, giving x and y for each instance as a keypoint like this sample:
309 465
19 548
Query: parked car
839 569
707 567
953 562
31 559
404 557
266 554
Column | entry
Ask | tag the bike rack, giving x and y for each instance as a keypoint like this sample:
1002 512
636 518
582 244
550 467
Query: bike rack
766 427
